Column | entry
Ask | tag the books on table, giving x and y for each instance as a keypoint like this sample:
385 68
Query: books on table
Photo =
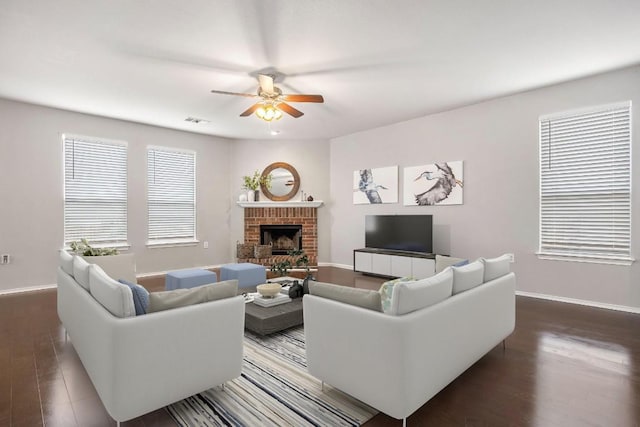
270 302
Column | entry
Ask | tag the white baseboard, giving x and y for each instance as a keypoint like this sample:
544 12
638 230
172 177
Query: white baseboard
27 289
595 304
332 264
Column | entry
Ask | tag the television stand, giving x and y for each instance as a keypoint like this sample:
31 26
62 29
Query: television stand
390 263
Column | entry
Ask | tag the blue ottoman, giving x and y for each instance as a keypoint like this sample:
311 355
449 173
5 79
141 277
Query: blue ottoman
182 279
246 273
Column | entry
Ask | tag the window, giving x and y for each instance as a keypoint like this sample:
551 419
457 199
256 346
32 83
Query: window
171 196
95 191
585 185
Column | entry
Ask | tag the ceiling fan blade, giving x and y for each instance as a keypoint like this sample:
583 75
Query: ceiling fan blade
249 111
234 93
289 110
302 98
266 83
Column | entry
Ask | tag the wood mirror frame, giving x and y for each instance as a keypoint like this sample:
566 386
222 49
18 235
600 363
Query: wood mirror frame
293 181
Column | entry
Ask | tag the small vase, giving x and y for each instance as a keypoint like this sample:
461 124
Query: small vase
251 196
256 197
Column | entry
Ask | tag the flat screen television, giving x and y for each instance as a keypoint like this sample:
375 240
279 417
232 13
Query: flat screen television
413 233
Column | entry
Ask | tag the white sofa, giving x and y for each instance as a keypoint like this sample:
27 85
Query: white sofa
396 363
139 364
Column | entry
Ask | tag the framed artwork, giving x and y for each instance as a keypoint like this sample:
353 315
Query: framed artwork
374 186
435 184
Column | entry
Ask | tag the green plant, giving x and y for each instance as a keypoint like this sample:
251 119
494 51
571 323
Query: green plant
298 257
254 182
85 249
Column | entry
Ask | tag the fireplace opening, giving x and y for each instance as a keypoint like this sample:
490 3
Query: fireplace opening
282 238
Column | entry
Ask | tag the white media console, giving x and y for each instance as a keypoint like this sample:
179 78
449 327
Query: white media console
394 263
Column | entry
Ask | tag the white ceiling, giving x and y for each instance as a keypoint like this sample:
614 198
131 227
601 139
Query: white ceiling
375 62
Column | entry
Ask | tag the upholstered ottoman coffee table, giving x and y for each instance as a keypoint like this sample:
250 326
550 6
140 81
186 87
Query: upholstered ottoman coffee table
182 279
246 273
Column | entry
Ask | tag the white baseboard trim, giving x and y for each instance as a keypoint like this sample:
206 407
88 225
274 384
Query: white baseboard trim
627 309
28 289
333 264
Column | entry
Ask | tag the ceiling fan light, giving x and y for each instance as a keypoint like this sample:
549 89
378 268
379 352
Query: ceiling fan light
260 112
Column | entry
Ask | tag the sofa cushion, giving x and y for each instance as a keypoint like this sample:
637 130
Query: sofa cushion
81 271
386 291
412 296
159 301
140 296
66 262
496 267
121 266
364 298
467 276
443 262
114 296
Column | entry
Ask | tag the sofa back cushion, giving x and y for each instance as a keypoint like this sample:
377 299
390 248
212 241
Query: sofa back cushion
121 266
467 276
443 262
81 271
66 262
364 298
114 296
412 296
496 267
159 301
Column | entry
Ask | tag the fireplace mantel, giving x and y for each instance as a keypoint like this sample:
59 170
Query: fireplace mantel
270 204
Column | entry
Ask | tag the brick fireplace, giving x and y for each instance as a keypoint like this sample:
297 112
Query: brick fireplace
307 217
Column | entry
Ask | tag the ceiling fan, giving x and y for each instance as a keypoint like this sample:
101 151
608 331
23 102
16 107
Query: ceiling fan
273 102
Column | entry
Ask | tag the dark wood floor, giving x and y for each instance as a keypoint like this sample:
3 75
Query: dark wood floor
564 365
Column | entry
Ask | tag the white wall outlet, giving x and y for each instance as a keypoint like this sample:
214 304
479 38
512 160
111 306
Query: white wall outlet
5 259
512 258
206 245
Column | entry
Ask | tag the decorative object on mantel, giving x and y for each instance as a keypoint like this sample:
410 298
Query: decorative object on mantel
284 181
435 184
310 198
242 197
252 183
374 186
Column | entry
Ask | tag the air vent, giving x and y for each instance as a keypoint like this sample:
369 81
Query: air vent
196 120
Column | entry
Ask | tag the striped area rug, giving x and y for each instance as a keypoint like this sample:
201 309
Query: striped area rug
274 389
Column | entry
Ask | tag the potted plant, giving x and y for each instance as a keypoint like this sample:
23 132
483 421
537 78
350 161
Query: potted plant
83 248
252 183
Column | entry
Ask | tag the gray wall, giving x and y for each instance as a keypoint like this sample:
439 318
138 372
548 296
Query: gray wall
311 160
31 191
498 141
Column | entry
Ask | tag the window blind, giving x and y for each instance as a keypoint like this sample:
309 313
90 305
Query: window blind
95 191
171 195
585 184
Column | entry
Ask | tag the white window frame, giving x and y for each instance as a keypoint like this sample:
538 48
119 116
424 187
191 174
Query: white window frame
118 179
169 241
564 233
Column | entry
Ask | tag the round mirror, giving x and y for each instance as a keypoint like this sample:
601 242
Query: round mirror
285 181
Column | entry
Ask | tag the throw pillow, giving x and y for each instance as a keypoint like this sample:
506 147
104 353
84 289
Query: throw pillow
159 301
496 267
412 296
443 262
114 296
81 271
364 298
386 291
140 296
66 262
467 277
